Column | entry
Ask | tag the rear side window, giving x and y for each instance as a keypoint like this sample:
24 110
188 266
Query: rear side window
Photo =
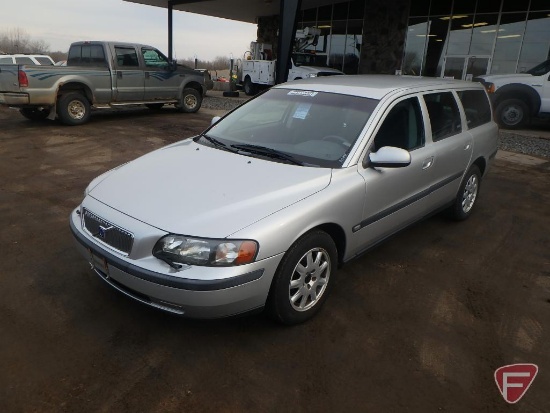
24 61
126 56
6 61
476 106
86 55
43 60
444 115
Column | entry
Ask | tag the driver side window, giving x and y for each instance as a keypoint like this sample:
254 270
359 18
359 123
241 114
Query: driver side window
153 58
403 127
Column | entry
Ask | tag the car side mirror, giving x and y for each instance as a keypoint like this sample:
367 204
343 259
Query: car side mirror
215 120
390 157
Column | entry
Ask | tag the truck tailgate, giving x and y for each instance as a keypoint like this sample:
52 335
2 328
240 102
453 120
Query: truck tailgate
9 81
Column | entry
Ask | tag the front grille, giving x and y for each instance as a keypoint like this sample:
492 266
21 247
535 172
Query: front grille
116 237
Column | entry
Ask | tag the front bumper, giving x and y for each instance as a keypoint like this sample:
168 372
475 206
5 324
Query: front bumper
236 290
15 99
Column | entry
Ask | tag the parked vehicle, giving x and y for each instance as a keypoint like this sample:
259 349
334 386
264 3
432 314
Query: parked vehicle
519 97
262 208
26 59
100 75
258 71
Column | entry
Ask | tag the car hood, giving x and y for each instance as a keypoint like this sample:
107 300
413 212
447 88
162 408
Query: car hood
506 78
192 189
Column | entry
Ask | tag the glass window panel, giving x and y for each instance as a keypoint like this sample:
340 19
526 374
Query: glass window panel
508 43
340 11
23 61
324 13
415 46
460 35
337 45
441 7
476 107
476 66
125 56
357 9
437 42
540 5
444 115
6 60
354 40
454 67
488 6
484 33
536 42
419 7
514 5
310 15
464 7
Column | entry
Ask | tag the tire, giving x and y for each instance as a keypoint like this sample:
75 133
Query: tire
35 114
249 87
466 196
512 113
291 297
155 106
190 102
73 109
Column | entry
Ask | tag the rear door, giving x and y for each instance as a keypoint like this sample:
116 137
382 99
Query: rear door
130 79
452 142
161 82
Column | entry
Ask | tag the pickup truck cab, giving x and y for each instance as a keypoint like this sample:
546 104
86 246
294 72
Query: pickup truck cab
519 97
100 75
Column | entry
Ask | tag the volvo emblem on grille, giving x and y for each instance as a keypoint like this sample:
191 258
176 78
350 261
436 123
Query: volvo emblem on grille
103 231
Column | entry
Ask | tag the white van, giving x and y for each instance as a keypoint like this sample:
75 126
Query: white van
26 59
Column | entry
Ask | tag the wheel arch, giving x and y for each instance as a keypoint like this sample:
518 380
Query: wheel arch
481 163
519 91
75 87
194 85
336 232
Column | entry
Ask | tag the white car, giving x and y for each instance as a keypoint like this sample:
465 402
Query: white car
262 208
26 59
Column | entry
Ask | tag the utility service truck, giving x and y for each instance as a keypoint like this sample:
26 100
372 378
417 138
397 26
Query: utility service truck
258 67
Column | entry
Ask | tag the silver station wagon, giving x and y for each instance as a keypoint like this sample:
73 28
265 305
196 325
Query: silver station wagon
261 209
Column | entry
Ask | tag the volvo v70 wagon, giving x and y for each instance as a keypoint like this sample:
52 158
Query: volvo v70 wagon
261 209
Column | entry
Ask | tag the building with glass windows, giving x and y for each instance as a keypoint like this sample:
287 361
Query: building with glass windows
452 38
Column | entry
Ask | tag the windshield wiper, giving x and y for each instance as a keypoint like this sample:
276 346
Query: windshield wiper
216 142
269 152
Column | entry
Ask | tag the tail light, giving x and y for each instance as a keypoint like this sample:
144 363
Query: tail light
23 79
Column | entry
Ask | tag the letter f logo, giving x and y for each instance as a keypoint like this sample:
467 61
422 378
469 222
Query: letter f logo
514 380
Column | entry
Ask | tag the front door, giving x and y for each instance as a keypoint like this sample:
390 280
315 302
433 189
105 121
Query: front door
465 67
161 81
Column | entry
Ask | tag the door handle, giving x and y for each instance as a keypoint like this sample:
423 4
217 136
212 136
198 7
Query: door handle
428 162
467 147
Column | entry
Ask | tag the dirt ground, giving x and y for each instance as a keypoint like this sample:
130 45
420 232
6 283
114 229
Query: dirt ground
417 325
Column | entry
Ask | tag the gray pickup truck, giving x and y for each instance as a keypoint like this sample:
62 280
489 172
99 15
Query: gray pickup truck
100 75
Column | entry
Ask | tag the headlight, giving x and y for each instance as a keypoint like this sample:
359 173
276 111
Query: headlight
205 251
311 75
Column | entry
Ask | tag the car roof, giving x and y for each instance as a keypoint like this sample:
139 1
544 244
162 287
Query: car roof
375 86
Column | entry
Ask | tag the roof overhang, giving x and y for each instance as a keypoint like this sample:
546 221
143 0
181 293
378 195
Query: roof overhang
240 10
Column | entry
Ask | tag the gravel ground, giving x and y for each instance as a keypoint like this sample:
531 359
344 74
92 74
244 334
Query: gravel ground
509 140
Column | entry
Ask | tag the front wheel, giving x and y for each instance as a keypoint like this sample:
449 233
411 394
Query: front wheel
35 114
73 109
467 195
190 101
512 113
301 284
249 87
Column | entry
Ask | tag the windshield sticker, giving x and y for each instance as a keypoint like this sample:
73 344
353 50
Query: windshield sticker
302 111
301 93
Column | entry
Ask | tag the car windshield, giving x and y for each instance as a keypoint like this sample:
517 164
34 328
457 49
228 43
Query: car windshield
297 126
540 69
308 59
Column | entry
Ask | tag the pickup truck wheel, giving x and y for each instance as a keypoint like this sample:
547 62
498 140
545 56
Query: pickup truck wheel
512 113
301 283
73 109
249 87
35 114
190 101
155 106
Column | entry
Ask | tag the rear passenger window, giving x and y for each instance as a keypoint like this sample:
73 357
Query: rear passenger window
6 61
444 115
403 127
24 61
126 56
44 61
86 55
476 106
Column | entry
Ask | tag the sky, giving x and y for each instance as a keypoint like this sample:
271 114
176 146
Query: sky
61 22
